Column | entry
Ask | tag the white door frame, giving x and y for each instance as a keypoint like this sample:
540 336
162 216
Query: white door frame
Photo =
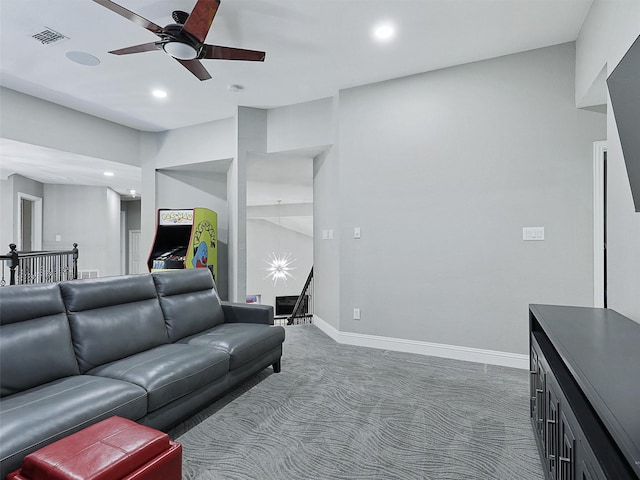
599 150
36 221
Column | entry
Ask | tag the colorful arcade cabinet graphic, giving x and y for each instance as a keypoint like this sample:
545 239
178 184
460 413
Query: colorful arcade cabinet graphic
185 239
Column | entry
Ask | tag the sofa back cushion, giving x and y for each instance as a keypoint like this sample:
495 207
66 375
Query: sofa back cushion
189 301
112 318
35 340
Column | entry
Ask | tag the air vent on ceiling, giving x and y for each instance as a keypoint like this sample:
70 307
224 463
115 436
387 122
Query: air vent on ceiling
47 36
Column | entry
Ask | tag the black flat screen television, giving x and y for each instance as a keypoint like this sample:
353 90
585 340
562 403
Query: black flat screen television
285 304
624 91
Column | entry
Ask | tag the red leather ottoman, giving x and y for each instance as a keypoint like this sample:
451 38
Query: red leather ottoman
114 449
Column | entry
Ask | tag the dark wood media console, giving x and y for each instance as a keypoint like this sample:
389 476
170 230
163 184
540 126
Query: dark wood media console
585 392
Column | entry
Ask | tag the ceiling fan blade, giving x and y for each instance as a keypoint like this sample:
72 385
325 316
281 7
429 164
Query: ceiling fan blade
145 47
201 18
195 67
230 53
128 14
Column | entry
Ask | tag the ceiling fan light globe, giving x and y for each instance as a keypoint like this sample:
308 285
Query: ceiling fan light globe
181 51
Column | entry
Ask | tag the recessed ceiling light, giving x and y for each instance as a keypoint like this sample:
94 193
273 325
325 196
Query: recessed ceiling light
384 31
108 174
83 58
159 93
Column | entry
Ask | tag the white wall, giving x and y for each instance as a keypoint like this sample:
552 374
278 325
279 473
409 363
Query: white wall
88 216
198 143
264 238
251 138
607 33
441 171
299 126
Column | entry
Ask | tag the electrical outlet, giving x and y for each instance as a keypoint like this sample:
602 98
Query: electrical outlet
356 314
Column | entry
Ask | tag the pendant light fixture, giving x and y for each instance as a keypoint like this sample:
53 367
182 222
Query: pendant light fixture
279 265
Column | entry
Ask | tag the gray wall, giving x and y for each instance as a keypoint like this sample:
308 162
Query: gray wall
441 171
88 216
9 190
263 238
32 120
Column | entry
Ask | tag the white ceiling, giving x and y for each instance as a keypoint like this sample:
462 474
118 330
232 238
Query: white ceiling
313 49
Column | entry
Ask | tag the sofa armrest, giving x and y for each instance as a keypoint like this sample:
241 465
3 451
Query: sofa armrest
247 313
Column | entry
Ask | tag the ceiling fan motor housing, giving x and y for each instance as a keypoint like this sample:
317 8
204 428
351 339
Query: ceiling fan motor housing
179 44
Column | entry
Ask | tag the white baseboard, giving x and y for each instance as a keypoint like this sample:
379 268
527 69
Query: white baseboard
469 354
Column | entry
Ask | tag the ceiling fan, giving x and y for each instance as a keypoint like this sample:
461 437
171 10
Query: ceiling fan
184 40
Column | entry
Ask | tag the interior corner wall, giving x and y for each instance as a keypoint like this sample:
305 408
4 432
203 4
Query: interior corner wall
265 238
608 32
88 216
441 171
326 251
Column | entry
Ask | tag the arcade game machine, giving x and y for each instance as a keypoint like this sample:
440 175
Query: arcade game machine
185 239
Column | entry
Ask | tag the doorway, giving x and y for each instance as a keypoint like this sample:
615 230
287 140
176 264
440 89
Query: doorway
600 224
29 216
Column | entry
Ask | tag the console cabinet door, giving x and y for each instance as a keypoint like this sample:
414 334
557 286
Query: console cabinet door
552 444
566 458
538 386
587 466
533 382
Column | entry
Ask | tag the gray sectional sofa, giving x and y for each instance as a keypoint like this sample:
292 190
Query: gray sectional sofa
153 348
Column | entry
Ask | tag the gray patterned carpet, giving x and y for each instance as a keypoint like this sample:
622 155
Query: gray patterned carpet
344 412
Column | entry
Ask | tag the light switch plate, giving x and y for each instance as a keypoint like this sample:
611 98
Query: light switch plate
356 232
532 233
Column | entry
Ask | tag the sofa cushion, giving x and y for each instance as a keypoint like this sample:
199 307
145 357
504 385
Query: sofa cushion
241 341
35 340
39 416
112 318
168 372
189 301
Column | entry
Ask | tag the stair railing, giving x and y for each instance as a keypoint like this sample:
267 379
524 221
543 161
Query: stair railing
39 267
303 309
